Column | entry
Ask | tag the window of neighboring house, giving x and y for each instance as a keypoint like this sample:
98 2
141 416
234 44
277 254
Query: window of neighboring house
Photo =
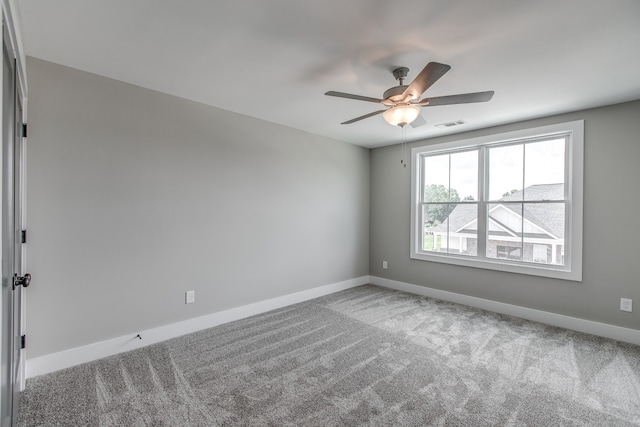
509 252
510 202
540 254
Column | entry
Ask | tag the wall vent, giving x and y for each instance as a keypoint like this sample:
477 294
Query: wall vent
450 124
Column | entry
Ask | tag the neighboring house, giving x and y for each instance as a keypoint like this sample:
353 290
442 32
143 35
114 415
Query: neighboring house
536 236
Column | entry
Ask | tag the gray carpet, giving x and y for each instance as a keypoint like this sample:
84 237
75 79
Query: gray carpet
365 356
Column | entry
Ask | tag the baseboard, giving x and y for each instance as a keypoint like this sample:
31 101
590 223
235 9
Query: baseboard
75 356
575 324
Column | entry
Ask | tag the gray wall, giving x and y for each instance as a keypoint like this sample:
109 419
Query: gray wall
611 226
135 197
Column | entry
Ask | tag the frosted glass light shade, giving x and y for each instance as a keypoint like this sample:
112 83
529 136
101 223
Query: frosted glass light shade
401 115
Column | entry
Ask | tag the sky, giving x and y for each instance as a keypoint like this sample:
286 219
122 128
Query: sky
542 162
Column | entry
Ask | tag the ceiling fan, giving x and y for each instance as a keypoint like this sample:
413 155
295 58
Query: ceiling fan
402 100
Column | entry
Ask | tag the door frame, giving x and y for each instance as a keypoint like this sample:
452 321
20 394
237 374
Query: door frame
12 40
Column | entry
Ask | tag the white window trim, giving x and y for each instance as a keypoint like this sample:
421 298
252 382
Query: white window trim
572 270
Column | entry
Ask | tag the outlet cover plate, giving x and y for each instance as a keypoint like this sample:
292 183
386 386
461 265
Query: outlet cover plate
626 304
190 297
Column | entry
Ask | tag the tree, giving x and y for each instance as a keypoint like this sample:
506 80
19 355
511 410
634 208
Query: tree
439 194
515 190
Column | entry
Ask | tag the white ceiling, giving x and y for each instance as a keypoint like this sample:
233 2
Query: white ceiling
274 59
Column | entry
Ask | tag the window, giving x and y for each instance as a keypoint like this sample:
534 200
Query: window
510 202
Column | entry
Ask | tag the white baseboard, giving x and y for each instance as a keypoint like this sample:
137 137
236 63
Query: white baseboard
75 356
587 326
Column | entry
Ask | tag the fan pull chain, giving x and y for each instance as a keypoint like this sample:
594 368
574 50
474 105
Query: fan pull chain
403 148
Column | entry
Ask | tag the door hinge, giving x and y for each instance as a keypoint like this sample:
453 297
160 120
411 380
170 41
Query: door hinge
24 130
24 236
23 341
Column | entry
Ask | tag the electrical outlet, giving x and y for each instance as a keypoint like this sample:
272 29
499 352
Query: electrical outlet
385 265
190 297
626 304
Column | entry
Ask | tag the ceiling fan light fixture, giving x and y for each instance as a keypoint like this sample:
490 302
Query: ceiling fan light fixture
402 100
401 115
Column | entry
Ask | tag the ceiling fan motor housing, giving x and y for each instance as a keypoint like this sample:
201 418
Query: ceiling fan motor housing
394 93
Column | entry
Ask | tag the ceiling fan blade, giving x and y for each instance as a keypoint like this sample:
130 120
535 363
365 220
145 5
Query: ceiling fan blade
423 81
419 121
366 116
463 98
351 96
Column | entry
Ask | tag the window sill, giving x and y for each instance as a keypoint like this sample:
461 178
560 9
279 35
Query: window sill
531 269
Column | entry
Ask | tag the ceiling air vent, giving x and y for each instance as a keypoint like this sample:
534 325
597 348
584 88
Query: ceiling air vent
450 124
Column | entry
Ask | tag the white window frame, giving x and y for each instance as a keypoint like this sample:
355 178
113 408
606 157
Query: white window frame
572 268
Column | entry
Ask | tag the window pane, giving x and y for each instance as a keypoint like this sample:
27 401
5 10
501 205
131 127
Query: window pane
464 176
436 178
435 227
506 172
451 228
544 225
505 231
463 230
544 170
